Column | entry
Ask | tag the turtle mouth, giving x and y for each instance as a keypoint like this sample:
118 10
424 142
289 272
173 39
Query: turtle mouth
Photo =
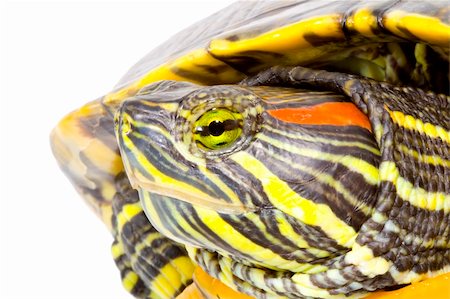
193 197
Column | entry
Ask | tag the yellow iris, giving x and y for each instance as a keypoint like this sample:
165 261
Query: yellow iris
217 128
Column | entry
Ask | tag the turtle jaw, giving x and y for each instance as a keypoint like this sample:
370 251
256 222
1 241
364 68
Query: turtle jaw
196 198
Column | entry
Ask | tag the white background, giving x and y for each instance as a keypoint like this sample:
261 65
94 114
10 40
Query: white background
55 56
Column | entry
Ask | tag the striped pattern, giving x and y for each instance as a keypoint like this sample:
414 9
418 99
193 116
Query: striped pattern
315 172
407 237
151 265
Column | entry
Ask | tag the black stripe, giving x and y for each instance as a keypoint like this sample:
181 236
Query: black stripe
248 229
193 177
421 174
150 260
135 230
192 218
267 216
424 144
315 236
140 290
317 40
326 148
242 182
308 186
162 208
249 61
406 99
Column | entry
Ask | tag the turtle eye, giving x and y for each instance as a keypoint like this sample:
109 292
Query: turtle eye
217 128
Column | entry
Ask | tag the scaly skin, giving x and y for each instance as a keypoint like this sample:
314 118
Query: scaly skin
354 254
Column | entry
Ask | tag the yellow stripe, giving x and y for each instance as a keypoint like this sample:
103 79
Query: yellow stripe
433 160
416 196
162 184
130 280
152 214
281 222
228 234
147 241
335 142
411 123
261 255
201 163
219 183
158 176
173 275
288 201
287 230
367 170
325 178
169 280
128 212
234 239
117 250
185 272
177 218
165 154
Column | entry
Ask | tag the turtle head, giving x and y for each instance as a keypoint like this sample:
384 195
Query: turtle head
176 137
216 165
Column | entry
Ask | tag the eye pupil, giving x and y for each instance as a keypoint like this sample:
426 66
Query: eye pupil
216 128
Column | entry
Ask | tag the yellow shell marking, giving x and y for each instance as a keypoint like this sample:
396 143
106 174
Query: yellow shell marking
191 61
420 26
286 40
362 21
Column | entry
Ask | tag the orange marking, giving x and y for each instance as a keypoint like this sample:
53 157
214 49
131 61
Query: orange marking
213 288
437 288
191 292
334 113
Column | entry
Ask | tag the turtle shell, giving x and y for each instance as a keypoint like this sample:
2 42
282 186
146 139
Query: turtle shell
248 37
384 40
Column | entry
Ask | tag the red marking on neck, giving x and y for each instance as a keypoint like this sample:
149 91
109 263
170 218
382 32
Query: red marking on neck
330 113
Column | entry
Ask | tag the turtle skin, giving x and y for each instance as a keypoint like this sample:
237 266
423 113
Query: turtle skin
382 40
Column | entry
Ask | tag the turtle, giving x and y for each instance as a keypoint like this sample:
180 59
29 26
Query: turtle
276 149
